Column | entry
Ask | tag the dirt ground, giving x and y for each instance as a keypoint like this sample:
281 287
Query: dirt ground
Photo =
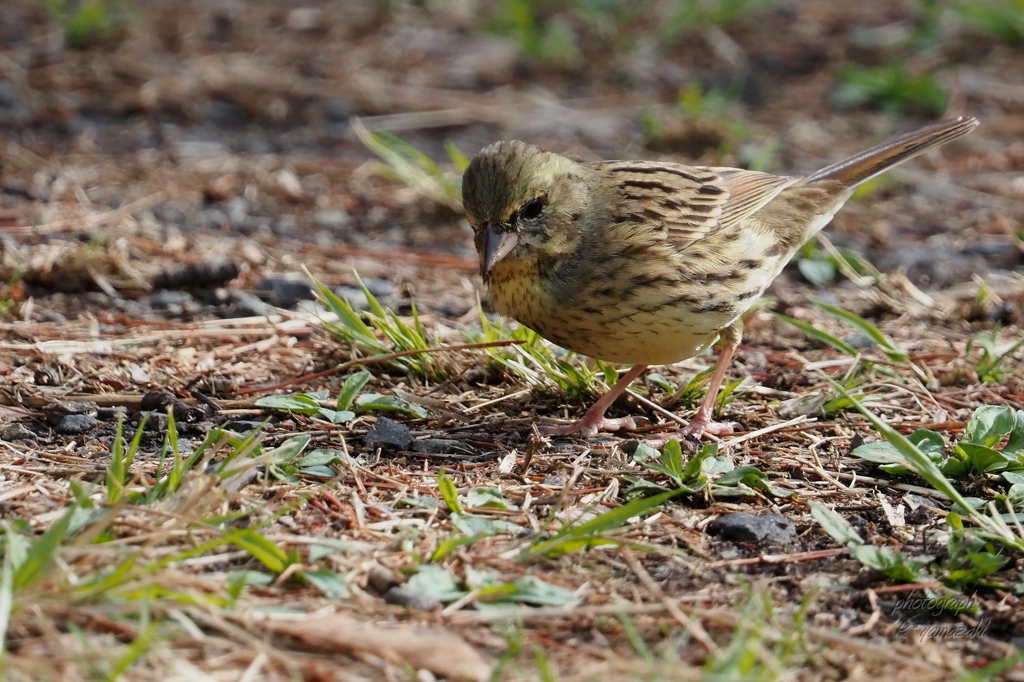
171 170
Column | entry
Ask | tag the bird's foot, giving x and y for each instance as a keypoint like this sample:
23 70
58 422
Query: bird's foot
589 425
700 425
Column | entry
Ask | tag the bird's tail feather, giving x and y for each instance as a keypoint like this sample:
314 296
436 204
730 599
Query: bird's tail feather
866 165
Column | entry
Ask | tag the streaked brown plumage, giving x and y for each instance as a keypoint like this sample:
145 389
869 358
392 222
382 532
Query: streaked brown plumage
648 263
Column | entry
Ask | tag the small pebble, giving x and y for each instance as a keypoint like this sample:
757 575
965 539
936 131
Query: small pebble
381 579
72 424
389 435
56 411
442 446
285 289
411 600
15 432
761 529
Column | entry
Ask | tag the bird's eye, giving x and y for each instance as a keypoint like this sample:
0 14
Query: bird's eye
532 208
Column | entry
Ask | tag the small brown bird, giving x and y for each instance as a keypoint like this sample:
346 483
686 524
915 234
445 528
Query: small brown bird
647 262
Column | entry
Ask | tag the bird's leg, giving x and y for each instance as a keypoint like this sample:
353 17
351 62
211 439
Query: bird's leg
594 419
701 423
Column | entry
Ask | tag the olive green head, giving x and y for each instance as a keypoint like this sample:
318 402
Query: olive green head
525 204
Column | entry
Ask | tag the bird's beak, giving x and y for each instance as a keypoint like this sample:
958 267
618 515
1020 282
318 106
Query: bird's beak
497 245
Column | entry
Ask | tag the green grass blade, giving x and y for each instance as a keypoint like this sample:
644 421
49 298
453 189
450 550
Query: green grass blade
818 335
116 470
607 521
921 464
263 550
866 328
6 595
43 550
449 494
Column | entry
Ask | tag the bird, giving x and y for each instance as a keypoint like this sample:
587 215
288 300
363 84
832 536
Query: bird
649 262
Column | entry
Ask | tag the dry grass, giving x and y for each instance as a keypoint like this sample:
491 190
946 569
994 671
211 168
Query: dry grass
237 541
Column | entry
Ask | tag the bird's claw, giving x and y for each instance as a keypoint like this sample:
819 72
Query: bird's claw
589 426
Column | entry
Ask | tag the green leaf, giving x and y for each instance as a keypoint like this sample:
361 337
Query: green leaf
992 527
374 402
988 425
287 451
891 563
672 459
263 550
984 459
320 457
835 525
39 557
818 272
470 524
698 464
532 590
1014 477
436 582
1015 495
571 538
453 542
1015 445
318 472
929 442
491 498
749 476
351 388
980 566
297 402
330 584
448 493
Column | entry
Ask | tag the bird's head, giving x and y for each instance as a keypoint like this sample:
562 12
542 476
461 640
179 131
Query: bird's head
526 205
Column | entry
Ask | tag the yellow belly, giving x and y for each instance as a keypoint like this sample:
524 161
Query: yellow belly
614 333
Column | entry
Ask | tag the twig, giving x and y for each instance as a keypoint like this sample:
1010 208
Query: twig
793 558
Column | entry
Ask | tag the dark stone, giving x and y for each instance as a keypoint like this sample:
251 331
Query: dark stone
381 579
355 297
244 304
71 424
15 432
173 212
285 289
243 426
389 435
56 411
175 302
223 114
155 421
411 600
442 446
760 529
337 109
380 288
204 275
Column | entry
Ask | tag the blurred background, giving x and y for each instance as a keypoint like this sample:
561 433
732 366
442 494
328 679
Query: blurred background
346 123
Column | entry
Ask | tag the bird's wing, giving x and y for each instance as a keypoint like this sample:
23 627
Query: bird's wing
690 202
